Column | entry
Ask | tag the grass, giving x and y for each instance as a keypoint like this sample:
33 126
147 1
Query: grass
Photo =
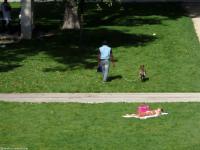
15 5
64 63
98 126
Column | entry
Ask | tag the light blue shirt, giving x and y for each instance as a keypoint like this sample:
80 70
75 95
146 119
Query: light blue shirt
105 52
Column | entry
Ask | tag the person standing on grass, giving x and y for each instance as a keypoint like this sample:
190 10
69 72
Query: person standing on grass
6 11
104 56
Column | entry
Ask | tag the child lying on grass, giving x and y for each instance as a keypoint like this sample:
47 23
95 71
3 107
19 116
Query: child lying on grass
144 112
157 112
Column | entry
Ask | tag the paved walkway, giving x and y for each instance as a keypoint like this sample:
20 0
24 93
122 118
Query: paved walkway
193 10
100 97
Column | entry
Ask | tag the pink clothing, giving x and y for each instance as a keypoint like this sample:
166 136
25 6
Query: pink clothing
143 108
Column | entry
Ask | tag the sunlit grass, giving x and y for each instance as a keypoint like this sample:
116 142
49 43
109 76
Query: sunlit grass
158 35
98 126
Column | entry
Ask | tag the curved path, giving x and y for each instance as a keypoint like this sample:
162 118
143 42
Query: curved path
100 97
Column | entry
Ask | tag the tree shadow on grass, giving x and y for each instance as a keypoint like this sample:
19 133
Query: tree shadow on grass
8 67
134 14
74 57
12 55
192 9
122 20
64 48
120 14
115 38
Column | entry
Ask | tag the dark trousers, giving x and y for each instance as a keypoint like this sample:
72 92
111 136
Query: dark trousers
5 27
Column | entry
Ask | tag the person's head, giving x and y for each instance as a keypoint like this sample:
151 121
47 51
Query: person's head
104 42
141 67
142 104
160 110
5 1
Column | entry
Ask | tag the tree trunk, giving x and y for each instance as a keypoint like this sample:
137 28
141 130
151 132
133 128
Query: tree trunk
71 18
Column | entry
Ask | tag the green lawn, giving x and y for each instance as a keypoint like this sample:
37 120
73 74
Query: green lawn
75 126
63 63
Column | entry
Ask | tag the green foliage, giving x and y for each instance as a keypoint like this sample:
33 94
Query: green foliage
98 126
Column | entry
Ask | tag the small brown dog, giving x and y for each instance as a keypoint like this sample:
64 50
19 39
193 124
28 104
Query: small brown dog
142 73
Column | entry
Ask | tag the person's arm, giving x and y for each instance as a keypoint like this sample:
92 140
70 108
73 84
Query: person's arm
112 58
98 57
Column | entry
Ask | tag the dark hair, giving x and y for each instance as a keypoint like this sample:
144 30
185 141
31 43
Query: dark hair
104 42
142 67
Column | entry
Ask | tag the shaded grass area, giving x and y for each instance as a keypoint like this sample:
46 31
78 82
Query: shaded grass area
158 35
133 14
98 126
